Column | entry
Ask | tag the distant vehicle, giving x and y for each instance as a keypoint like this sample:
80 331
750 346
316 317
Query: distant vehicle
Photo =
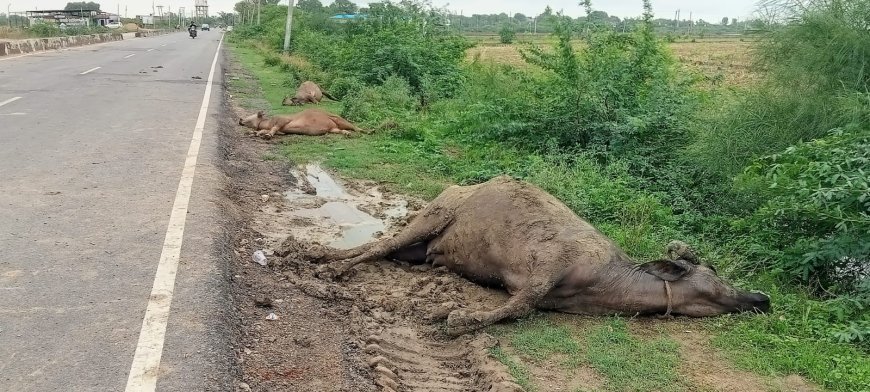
205 27
113 25
229 28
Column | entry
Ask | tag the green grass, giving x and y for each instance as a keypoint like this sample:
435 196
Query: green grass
519 372
632 364
377 157
274 82
626 362
539 340
776 346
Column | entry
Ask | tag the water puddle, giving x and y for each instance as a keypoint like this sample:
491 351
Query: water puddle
333 205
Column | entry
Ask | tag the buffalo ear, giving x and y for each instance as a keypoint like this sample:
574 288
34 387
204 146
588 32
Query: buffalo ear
667 270
260 114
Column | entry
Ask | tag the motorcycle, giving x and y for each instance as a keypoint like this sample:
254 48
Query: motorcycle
192 33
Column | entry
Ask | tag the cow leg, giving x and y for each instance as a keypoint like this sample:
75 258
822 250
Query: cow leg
521 304
332 254
420 229
339 131
268 134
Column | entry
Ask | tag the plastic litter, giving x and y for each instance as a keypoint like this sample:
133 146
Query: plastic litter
260 258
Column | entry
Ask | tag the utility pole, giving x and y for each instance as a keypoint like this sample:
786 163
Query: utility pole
689 31
289 26
258 11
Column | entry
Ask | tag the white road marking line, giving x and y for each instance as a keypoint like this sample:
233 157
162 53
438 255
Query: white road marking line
149 50
129 55
163 45
90 70
10 100
149 349
13 114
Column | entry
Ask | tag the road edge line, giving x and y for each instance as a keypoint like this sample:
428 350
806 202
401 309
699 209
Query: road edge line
149 349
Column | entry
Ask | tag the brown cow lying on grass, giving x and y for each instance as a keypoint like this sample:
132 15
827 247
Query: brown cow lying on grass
308 92
514 235
311 122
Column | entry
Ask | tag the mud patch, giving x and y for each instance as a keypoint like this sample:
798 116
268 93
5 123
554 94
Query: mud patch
352 214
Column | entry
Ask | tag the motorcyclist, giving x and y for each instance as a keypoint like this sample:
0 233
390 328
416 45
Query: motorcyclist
192 26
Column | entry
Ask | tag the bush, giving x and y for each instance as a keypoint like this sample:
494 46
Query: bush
817 216
388 106
44 30
816 67
404 40
507 34
620 96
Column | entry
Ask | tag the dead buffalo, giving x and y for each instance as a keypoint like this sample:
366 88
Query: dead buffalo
308 92
511 234
311 122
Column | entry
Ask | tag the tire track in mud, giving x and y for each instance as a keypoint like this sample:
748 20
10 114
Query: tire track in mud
396 310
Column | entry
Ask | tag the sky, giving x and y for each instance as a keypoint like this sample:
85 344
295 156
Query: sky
709 10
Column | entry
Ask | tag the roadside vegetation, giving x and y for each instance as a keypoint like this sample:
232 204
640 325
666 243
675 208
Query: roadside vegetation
769 180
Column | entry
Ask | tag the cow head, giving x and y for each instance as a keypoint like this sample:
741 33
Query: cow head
252 120
697 291
291 101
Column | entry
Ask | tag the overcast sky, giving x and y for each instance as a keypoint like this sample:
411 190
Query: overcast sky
711 11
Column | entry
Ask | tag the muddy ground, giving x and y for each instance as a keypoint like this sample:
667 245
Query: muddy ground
381 329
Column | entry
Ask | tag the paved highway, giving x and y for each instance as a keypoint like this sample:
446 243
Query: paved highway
99 156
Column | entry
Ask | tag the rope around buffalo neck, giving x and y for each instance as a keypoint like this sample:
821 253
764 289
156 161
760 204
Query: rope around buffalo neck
670 298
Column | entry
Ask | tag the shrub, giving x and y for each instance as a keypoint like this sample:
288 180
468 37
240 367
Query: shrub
387 106
507 34
815 67
404 40
619 96
817 216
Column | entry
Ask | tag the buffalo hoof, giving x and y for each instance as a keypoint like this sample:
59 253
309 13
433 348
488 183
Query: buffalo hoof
460 322
327 272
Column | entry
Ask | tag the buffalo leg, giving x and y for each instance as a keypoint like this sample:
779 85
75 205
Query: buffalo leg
415 254
521 304
418 231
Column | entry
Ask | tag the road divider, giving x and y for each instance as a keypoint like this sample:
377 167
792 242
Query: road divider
10 49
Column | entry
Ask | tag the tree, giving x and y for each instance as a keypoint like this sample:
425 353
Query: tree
310 6
733 21
547 11
520 17
725 21
507 34
342 7
81 5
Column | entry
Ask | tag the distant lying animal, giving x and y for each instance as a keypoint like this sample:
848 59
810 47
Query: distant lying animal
311 122
308 92
511 234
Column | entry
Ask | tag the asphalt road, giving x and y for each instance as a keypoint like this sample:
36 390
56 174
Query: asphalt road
90 162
